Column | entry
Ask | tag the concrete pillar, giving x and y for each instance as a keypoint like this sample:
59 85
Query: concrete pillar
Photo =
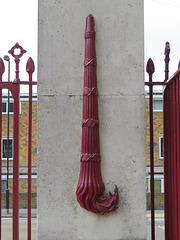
120 76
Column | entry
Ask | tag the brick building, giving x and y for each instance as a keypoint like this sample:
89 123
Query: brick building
158 150
158 147
23 151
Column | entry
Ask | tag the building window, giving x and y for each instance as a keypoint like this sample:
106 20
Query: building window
157 105
4 149
158 184
161 147
3 186
5 107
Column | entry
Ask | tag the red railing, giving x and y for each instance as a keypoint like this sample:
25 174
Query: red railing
150 70
172 157
14 88
171 103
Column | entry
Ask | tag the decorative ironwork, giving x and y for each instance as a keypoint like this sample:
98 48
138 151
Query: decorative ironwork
90 91
172 157
167 59
88 62
1 68
86 157
90 122
14 87
171 112
17 59
90 186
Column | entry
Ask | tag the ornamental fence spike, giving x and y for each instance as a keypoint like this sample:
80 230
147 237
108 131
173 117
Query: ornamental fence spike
150 66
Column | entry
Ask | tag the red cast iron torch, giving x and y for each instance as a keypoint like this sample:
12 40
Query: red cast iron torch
90 186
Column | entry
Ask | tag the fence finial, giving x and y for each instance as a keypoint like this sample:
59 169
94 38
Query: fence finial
30 66
179 65
17 46
150 66
167 59
2 68
17 59
167 51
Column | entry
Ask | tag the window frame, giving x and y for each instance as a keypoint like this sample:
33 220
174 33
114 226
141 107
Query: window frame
156 177
5 138
157 110
160 146
10 101
6 112
3 181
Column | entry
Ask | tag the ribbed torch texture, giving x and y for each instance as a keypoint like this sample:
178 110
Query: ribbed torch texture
90 185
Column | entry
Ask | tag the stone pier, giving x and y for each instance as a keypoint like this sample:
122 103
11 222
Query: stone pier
120 75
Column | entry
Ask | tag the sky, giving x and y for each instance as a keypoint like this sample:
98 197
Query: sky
161 24
19 18
18 23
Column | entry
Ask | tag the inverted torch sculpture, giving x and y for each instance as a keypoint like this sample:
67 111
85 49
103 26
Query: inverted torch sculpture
90 186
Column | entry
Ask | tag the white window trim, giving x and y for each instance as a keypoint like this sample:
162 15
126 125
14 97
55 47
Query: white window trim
160 156
162 185
4 177
10 138
156 177
7 107
11 101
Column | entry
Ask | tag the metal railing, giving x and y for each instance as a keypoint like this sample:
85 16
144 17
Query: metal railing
172 157
171 122
14 88
150 70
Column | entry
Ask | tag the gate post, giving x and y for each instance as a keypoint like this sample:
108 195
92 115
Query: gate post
121 105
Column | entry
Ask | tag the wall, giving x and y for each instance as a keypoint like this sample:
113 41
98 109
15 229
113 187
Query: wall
120 66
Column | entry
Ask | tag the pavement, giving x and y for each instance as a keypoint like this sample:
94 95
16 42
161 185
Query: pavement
7 225
159 225
7 229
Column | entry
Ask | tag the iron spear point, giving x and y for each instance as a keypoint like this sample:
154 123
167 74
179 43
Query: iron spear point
150 66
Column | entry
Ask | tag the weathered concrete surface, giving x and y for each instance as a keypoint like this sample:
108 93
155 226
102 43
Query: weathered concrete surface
120 64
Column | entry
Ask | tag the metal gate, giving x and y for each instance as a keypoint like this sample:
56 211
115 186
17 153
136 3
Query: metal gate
171 119
14 88
172 157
